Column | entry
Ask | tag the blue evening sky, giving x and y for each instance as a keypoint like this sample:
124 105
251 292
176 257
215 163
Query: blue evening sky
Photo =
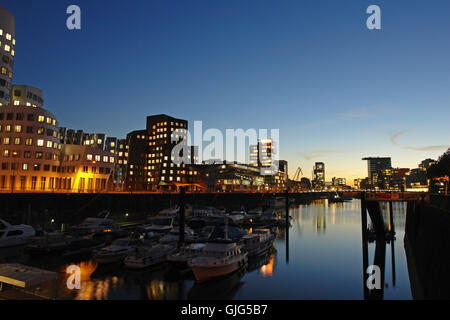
336 90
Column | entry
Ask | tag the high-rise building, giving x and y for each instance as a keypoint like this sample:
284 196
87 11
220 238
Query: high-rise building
136 170
7 52
374 167
319 175
162 173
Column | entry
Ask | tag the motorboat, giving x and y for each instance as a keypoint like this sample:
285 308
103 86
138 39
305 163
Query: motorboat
85 247
218 259
160 224
117 251
96 225
45 242
147 256
185 254
258 242
14 235
174 235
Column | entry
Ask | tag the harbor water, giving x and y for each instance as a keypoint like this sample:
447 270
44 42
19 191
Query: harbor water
319 257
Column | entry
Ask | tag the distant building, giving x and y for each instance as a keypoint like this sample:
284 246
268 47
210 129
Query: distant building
393 179
336 182
374 167
427 163
319 176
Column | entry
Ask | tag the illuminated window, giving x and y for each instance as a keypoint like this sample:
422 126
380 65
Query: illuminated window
97 158
41 118
89 157
17 141
40 143
16 102
18 129
25 167
13 53
29 142
49 144
8 36
105 158
14 42
6 140
7 48
49 120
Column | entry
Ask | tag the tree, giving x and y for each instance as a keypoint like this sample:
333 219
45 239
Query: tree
441 168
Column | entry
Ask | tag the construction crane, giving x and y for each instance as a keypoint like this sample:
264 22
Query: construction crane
298 174
294 182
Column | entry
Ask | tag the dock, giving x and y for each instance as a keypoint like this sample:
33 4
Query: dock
23 277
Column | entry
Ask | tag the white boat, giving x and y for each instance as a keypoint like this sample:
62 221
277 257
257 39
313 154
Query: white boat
186 253
160 224
14 235
174 235
218 259
147 256
95 225
117 251
257 242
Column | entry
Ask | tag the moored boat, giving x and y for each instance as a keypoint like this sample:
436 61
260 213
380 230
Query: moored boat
117 251
218 259
258 242
185 254
14 235
147 256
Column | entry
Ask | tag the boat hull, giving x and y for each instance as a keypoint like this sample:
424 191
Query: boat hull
208 272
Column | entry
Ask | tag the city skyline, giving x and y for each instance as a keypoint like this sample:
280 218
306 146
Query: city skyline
327 112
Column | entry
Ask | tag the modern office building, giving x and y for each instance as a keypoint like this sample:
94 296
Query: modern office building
319 175
7 52
22 95
374 167
162 173
135 176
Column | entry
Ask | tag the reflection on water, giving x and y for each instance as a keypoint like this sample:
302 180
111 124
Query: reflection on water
319 258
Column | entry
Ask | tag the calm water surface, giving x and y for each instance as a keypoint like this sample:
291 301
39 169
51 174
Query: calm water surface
321 260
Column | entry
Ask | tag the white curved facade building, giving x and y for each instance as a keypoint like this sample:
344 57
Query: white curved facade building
7 52
29 149
22 95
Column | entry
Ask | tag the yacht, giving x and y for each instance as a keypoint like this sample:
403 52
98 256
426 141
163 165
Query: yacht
117 251
174 235
147 256
186 253
14 235
96 225
218 259
257 242
160 224
49 242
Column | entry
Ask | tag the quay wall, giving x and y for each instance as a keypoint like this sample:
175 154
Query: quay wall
35 208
